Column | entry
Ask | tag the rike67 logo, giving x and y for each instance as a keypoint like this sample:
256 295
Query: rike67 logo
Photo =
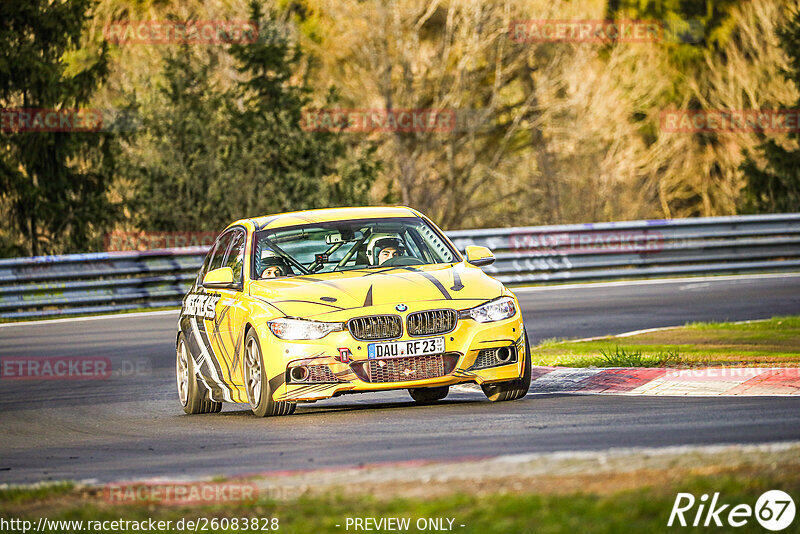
774 510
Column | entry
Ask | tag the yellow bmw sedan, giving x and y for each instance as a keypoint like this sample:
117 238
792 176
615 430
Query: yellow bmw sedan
304 306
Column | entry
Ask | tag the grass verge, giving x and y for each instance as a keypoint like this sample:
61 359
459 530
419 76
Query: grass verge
643 506
771 343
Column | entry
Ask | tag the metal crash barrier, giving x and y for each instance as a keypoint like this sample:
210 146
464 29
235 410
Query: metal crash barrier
72 284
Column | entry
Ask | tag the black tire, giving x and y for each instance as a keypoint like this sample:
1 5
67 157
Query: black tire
259 393
428 395
513 389
191 395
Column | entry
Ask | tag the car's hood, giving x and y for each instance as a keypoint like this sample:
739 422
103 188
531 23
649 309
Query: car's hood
328 293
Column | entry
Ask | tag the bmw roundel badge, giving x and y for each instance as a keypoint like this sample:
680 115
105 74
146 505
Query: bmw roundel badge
401 307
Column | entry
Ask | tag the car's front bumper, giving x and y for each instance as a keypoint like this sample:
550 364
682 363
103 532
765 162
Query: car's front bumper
463 345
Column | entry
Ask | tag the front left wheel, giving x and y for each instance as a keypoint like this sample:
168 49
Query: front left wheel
259 393
514 389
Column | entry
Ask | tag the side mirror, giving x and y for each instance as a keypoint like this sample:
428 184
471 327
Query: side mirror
479 256
221 278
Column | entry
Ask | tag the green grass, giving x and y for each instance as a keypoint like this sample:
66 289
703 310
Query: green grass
619 357
774 342
641 509
35 492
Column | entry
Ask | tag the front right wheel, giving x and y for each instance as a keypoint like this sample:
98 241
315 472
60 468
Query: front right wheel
259 393
513 389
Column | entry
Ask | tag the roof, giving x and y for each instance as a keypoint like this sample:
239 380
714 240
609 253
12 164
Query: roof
293 218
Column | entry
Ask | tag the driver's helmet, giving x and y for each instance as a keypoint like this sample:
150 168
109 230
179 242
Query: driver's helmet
386 242
270 259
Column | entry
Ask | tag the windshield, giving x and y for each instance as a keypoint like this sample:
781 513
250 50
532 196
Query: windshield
347 245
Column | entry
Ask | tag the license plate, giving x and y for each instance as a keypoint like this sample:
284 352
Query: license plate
412 347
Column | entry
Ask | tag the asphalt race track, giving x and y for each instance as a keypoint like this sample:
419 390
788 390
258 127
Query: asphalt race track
131 426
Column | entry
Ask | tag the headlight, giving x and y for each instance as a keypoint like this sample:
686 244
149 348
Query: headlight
301 329
496 310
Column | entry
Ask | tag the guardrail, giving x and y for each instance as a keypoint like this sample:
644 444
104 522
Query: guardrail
116 281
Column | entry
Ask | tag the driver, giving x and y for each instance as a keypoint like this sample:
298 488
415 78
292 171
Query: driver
273 267
389 247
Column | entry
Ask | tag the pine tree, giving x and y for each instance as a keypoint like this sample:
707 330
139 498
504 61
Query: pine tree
177 160
54 184
209 155
287 167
